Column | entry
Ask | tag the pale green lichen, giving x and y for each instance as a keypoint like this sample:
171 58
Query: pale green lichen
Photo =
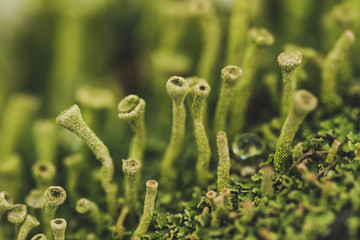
202 91
303 103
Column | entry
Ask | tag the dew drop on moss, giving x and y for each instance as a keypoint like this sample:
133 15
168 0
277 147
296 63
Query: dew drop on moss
245 146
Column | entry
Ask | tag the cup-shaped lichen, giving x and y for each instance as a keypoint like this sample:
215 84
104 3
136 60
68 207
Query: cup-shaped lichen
177 88
132 109
304 102
58 227
230 76
202 91
17 214
288 61
44 173
149 204
72 120
131 168
257 40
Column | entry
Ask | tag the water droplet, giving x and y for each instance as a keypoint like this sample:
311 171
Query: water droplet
247 145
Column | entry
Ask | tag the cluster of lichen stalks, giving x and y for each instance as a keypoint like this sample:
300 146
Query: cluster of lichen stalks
296 104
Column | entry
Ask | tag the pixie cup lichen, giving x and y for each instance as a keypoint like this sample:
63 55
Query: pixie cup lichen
132 109
72 120
201 91
304 102
177 88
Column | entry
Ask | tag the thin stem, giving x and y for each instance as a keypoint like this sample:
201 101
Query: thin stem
332 152
72 120
16 114
12 168
223 171
239 23
202 91
149 204
304 103
211 36
288 61
331 64
45 139
132 110
230 76
258 39
131 168
177 88
266 183
119 226
73 165
29 223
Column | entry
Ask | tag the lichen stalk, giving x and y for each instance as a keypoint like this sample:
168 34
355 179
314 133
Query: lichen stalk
257 40
73 165
211 36
332 152
44 173
266 183
12 168
58 227
288 61
149 204
227 197
329 94
45 139
29 223
202 91
72 120
54 197
230 76
132 110
131 167
304 102
239 22
16 115
223 170
84 205
177 88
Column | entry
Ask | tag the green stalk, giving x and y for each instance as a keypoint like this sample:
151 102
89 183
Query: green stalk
239 23
230 76
304 102
72 120
149 204
288 61
223 171
30 223
177 88
258 39
211 36
131 168
332 61
202 91
69 37
45 139
132 110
